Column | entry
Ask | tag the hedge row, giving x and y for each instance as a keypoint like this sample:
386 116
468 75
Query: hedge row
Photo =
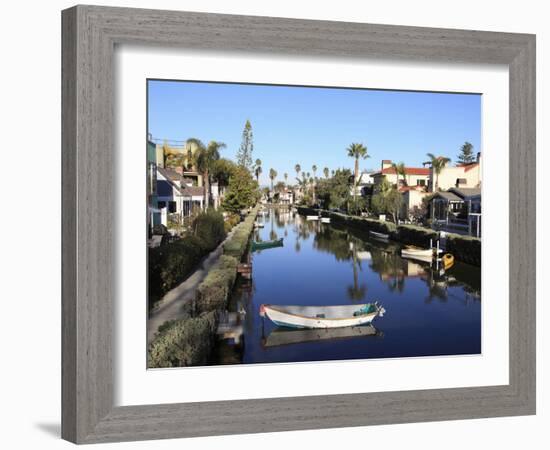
213 293
236 245
170 263
412 234
184 342
464 248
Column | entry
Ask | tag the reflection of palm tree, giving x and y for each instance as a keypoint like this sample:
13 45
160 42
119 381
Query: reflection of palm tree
356 292
297 246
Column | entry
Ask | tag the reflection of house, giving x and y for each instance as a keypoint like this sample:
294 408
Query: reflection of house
460 176
414 176
458 210
177 194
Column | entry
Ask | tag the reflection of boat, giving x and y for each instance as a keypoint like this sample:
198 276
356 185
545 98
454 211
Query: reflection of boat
259 245
312 217
448 261
325 219
286 336
258 225
364 256
380 236
322 316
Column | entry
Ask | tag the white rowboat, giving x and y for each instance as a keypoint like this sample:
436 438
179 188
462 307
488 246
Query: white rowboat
312 217
325 219
322 316
380 236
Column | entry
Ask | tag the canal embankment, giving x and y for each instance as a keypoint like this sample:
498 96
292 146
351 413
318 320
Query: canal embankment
464 248
186 335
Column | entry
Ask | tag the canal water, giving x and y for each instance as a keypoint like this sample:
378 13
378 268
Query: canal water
428 311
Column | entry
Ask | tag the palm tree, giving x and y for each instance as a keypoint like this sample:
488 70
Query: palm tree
205 157
437 163
297 168
326 172
286 177
356 150
272 176
400 169
258 170
314 169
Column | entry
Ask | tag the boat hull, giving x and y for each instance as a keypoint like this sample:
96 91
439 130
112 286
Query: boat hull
264 245
308 317
380 236
312 217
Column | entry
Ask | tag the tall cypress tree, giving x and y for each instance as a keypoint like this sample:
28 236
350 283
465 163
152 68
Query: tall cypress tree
466 155
244 155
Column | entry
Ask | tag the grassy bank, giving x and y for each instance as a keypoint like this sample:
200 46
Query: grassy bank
464 248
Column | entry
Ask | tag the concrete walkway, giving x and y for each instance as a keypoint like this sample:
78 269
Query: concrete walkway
172 304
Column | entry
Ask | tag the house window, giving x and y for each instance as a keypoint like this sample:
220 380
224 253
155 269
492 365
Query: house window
421 182
172 206
161 205
460 181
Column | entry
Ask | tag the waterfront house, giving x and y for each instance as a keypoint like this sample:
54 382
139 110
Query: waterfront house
177 196
412 197
414 176
457 210
153 213
459 176
179 156
364 184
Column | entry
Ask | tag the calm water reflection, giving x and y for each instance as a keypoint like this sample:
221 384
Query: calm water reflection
428 312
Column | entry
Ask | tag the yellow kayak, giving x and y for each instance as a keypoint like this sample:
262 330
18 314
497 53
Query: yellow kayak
448 260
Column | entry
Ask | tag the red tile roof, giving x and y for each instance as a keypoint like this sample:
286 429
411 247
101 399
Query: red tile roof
408 171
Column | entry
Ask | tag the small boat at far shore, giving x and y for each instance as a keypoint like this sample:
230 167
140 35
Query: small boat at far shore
448 260
380 236
322 316
260 245
312 217
258 225
325 219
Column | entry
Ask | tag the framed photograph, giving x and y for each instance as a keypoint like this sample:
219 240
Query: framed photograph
276 224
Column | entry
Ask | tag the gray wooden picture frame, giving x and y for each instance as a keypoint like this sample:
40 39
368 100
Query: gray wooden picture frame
90 34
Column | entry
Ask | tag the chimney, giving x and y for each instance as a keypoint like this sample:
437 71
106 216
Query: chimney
386 163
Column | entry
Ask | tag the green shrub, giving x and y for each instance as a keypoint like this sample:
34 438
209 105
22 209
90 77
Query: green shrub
185 342
413 234
231 221
464 248
209 227
170 264
213 293
160 229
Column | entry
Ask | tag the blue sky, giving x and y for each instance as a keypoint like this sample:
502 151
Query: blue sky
315 125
